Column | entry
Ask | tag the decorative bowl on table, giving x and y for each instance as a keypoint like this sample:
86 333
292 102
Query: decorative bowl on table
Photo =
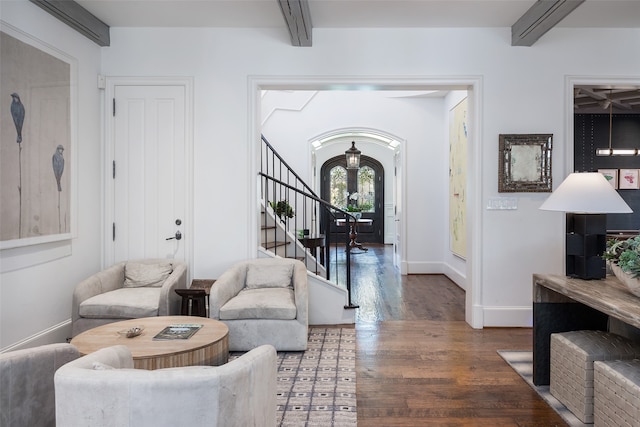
632 283
131 332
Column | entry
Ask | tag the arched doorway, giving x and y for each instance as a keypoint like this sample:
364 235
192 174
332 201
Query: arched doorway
370 195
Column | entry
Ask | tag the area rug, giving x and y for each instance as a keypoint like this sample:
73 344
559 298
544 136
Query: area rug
317 387
522 363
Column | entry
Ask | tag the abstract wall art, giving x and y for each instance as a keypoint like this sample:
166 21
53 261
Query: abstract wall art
458 138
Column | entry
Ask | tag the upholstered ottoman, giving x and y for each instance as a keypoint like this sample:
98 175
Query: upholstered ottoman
572 357
616 393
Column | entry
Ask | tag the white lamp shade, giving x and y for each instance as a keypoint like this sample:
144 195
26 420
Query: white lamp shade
586 192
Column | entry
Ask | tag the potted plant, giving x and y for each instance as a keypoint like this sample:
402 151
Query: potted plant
282 209
352 205
623 257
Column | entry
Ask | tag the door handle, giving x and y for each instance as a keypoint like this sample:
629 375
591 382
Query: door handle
178 236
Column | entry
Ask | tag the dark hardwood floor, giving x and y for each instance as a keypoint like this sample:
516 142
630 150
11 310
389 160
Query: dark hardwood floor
420 364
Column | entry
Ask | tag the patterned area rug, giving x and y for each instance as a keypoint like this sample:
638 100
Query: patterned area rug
317 387
522 363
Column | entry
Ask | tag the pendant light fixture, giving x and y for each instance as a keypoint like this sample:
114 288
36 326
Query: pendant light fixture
353 157
611 151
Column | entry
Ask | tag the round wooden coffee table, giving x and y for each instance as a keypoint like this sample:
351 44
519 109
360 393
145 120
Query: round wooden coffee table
208 346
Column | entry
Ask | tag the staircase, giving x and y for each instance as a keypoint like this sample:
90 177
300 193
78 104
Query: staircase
289 210
275 238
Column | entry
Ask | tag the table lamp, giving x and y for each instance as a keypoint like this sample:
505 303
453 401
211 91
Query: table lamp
586 197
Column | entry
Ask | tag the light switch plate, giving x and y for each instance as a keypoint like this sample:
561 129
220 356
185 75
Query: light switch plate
502 203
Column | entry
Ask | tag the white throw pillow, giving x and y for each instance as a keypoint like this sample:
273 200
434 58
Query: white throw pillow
137 275
269 276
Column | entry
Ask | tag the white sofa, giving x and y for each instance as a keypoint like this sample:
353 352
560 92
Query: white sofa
102 390
263 301
128 290
27 397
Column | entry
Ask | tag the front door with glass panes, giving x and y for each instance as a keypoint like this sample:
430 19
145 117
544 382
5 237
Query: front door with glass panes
368 197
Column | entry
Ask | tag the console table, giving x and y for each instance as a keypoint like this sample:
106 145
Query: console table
353 230
562 304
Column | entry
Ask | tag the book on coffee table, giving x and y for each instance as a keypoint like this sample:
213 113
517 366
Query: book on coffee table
181 331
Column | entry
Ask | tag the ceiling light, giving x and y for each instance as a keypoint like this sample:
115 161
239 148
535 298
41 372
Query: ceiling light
353 156
613 151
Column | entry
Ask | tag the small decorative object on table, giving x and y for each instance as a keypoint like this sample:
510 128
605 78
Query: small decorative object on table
131 332
623 257
181 331
354 209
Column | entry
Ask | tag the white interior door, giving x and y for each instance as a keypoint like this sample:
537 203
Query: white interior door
149 173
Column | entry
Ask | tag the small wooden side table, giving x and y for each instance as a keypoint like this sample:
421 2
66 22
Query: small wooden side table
314 243
196 297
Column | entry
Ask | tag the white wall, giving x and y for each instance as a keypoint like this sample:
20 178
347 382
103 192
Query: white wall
290 131
523 91
37 282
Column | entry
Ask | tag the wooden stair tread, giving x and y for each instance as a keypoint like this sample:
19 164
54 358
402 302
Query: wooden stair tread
275 244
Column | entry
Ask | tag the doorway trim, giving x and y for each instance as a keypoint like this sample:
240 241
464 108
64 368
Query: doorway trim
473 86
366 136
570 83
107 157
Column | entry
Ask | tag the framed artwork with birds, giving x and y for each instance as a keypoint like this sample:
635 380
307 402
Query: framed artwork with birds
37 107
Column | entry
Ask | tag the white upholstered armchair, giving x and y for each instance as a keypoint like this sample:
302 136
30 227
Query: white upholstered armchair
27 397
102 390
128 290
263 301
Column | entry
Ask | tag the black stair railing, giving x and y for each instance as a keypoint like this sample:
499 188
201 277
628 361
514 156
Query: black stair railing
294 215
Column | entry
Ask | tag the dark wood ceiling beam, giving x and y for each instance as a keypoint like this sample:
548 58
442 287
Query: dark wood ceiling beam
298 19
540 18
78 18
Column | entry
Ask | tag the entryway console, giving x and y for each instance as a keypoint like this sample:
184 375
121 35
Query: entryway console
562 304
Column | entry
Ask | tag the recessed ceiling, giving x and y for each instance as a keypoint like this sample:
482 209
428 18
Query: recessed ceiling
598 99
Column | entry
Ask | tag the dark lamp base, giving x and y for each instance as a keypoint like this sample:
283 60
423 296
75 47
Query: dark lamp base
585 244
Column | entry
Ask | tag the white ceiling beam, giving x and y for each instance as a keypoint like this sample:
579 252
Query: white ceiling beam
540 18
298 18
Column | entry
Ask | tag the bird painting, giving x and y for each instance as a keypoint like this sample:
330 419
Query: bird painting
57 162
17 112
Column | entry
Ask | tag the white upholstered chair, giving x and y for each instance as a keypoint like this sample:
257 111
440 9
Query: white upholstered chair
102 390
27 397
263 301
128 290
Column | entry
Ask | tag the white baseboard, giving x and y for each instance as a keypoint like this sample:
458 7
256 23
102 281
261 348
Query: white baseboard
476 321
424 267
483 316
404 268
55 334
508 316
458 277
